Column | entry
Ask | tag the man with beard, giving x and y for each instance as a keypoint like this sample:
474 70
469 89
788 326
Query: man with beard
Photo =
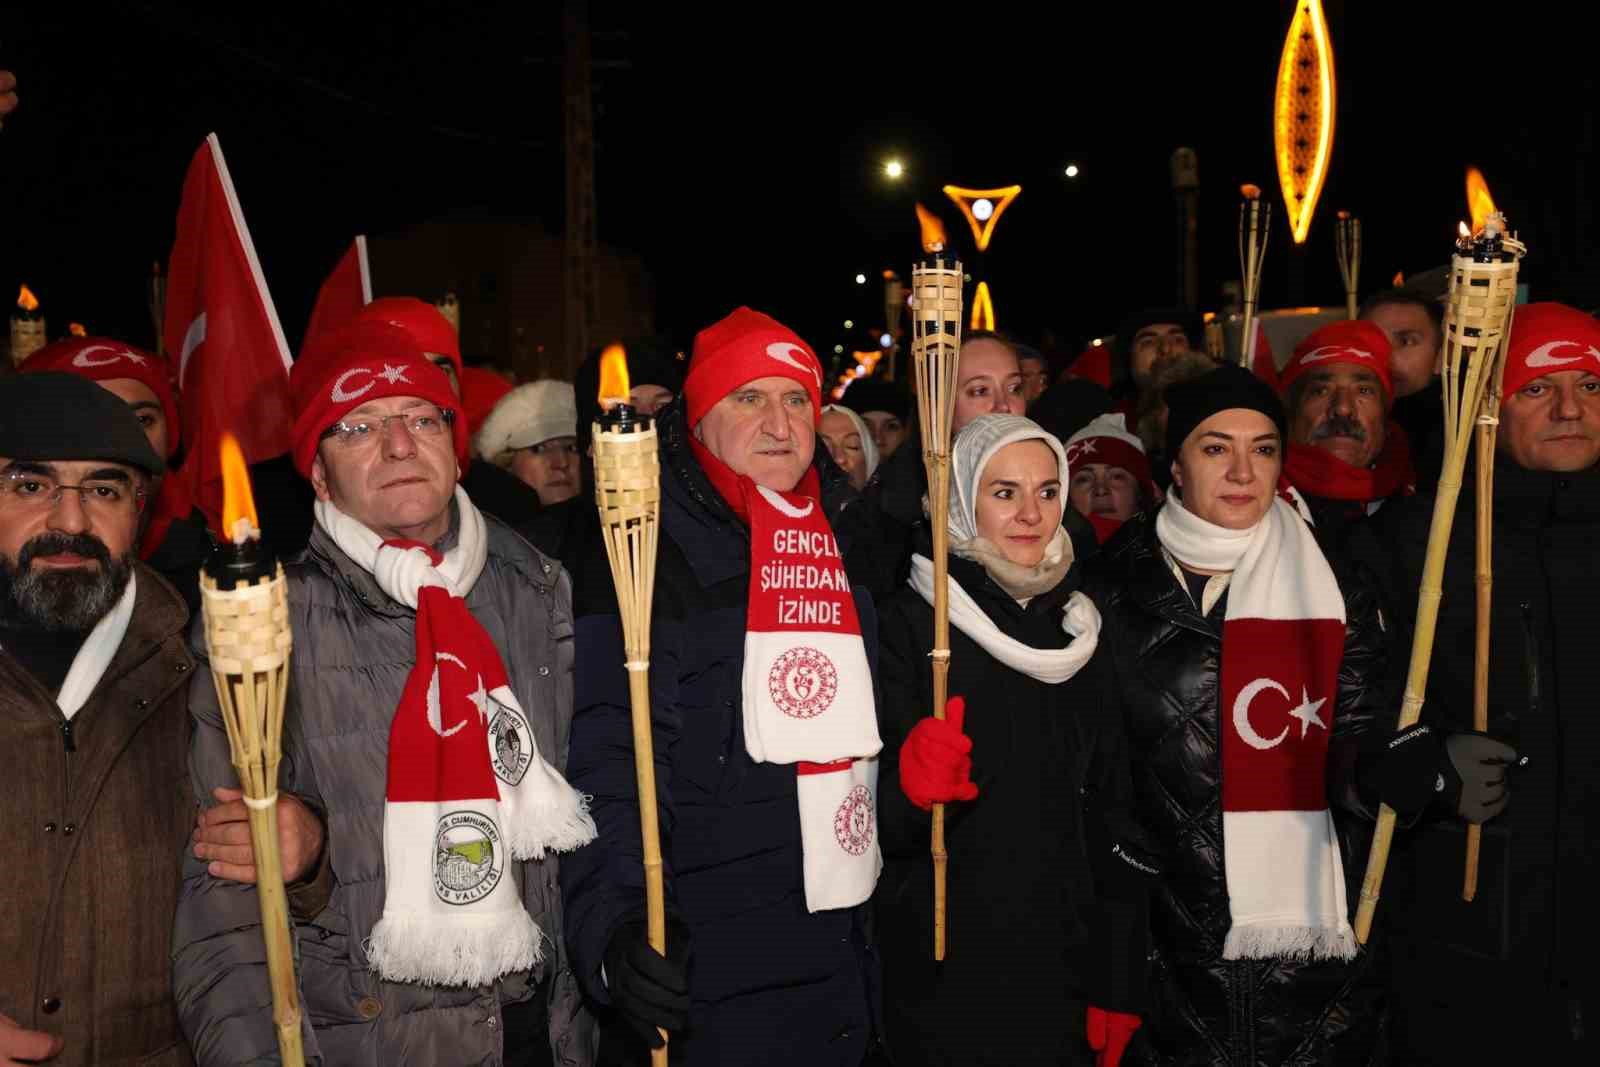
93 735
1146 340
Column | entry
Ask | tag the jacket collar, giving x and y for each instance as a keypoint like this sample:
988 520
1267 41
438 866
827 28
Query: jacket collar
1151 583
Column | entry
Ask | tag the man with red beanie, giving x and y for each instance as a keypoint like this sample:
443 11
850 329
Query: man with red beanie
496 491
429 704
765 730
1510 976
174 540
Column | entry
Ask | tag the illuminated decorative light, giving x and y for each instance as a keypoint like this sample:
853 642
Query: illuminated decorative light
861 279
1098 341
1072 170
885 340
894 169
849 324
968 199
982 309
982 209
1303 112
838 350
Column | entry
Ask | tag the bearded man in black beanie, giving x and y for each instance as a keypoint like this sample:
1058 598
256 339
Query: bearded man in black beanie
93 694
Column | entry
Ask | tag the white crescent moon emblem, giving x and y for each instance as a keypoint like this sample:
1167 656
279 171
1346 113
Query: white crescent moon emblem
82 358
777 501
340 396
784 352
1317 355
1544 355
1241 714
435 713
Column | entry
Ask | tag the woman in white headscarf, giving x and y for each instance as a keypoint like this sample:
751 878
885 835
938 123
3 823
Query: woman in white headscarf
1046 876
850 443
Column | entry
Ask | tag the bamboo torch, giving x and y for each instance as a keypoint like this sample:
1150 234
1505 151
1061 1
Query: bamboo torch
156 297
1483 290
27 327
1255 220
627 489
1347 243
244 601
935 347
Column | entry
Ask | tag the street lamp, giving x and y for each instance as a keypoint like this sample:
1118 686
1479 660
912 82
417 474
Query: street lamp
893 169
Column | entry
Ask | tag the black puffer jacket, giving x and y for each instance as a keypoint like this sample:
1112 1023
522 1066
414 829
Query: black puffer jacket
1167 663
1525 948
1042 920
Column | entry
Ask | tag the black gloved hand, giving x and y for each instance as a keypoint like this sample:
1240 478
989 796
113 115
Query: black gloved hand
1481 764
647 990
1464 772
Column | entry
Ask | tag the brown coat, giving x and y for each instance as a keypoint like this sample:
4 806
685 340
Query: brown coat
91 842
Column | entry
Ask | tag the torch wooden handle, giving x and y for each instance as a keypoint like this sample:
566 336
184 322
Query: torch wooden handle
275 929
644 766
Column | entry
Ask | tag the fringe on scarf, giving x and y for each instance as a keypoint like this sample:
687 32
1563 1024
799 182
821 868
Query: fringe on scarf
559 822
470 950
1290 942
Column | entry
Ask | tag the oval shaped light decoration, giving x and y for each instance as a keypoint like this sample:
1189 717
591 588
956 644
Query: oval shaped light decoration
1302 115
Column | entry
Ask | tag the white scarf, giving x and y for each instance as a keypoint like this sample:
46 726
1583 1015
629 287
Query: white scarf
95 654
455 816
1050 665
1282 646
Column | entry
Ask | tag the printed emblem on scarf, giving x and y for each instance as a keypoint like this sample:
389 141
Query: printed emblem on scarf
510 745
803 683
467 858
852 823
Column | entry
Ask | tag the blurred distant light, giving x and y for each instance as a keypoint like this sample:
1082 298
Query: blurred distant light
861 279
1072 170
838 350
849 324
885 340
1097 342
982 208
894 169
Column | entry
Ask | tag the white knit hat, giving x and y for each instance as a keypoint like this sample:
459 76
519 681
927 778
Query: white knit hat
528 415
869 447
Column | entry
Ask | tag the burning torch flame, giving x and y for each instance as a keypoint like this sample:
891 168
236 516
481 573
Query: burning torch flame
933 237
1250 192
1461 229
76 329
26 300
239 520
1399 279
1343 216
613 377
1479 202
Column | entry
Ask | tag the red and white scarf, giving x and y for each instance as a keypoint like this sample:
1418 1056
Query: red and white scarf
468 792
807 687
1282 645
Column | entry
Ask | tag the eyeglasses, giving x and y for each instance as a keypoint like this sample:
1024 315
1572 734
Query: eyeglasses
29 493
425 421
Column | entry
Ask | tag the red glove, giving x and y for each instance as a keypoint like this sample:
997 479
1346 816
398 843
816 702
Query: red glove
1109 1034
936 760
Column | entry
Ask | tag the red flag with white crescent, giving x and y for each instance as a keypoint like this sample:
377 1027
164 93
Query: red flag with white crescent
223 331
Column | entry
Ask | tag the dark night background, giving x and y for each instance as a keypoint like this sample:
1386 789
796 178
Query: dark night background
738 154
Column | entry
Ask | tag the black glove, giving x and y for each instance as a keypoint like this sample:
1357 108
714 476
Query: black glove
1464 772
647 990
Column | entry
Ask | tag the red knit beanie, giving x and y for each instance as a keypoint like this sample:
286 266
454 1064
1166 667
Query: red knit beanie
100 359
1546 338
424 322
363 360
1356 342
741 348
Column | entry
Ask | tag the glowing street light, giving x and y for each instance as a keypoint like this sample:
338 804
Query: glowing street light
861 279
894 170
1072 170
849 324
982 208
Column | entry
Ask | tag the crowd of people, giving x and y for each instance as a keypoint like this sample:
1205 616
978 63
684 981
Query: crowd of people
1181 600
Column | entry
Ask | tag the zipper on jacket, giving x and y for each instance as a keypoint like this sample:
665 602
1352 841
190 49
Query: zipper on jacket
67 740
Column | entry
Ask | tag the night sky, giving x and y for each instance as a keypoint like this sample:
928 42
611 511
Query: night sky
741 158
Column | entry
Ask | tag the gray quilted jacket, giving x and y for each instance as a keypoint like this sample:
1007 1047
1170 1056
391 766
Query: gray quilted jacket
353 649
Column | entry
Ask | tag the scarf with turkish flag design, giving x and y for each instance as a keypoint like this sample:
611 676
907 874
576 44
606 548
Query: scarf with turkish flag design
467 791
807 686
1282 645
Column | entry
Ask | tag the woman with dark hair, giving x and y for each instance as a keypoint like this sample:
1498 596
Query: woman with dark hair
1046 879
1249 667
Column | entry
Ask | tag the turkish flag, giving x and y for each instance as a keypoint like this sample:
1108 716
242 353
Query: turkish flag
1262 361
347 290
233 361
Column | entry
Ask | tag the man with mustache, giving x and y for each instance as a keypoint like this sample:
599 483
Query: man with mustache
1522 950
1345 455
94 729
